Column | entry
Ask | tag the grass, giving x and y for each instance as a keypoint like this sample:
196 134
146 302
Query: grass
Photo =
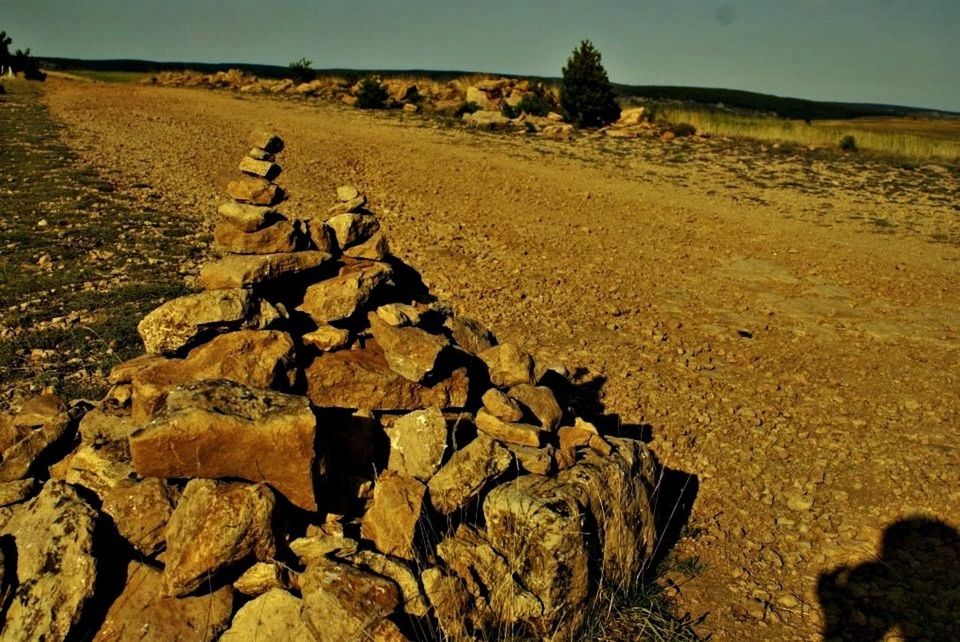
108 76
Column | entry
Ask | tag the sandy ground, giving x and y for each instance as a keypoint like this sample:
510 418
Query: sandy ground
788 327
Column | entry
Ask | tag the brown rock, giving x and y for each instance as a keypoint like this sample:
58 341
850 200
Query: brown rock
263 168
255 191
98 467
399 314
270 143
501 406
342 602
392 519
418 442
467 472
537 461
346 193
581 433
414 603
410 352
270 435
247 218
33 439
277 238
317 548
275 615
327 338
508 365
451 602
141 511
108 423
523 434
375 248
122 373
350 229
143 613
246 270
470 334
347 207
339 298
259 154
362 379
39 411
321 236
17 491
541 401
215 525
261 578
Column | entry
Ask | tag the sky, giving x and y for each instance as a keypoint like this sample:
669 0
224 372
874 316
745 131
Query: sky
904 52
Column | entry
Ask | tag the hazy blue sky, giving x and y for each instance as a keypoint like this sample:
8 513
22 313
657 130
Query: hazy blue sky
893 51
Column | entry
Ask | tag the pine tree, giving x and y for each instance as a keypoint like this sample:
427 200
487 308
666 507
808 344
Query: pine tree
586 93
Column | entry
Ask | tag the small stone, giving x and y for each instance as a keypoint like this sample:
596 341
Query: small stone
797 501
270 143
312 549
350 229
259 154
246 270
508 365
261 578
470 334
264 169
247 218
351 206
516 433
327 338
393 517
255 191
347 193
541 401
399 314
501 406
418 442
467 472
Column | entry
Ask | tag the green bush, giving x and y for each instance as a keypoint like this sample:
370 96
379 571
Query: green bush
372 94
301 72
586 94
848 144
468 108
682 130
535 103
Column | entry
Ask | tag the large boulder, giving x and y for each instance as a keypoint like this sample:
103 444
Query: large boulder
217 429
249 270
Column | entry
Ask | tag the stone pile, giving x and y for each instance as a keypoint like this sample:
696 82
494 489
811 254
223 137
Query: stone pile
314 448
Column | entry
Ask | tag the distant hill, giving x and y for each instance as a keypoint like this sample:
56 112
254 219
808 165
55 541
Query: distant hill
725 98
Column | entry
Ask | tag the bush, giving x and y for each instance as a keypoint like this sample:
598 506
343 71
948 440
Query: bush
469 108
848 144
301 72
372 94
682 130
586 94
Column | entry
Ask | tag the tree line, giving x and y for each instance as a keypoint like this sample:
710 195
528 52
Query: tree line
18 62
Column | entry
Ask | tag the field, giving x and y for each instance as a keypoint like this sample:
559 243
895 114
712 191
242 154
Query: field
785 324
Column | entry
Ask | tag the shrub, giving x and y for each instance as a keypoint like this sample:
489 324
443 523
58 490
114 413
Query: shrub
585 92
301 72
848 143
682 130
468 108
372 94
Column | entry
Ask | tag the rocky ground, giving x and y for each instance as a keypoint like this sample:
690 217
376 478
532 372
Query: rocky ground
785 325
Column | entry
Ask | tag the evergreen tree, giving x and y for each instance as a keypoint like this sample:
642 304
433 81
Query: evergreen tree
586 93
5 62
372 94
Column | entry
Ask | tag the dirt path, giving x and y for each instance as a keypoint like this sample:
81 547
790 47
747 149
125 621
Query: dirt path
789 328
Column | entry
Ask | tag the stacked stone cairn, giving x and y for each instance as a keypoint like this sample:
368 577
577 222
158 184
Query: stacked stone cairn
314 448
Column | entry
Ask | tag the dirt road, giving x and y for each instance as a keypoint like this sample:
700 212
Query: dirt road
788 326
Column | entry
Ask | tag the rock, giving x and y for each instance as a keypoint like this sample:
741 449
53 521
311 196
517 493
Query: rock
216 525
486 119
271 437
141 511
275 615
339 298
327 338
123 372
259 154
467 472
254 358
255 191
247 218
107 423
393 517
470 334
37 429
540 401
350 229
39 411
414 602
362 379
501 406
277 238
479 98
353 205
321 236
537 461
523 434
186 320
342 602
14 492
582 433
797 501
346 193
667 136
247 270
410 352
631 117
55 568
98 467
450 601
374 248
261 578
143 613
317 548
399 314
270 143
508 365
264 169
418 442
557 132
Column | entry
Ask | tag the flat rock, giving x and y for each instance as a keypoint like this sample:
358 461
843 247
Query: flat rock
263 168
340 297
280 237
327 338
375 248
362 379
467 472
414 602
248 270
515 433
501 406
267 141
270 436
508 365
14 492
143 613
393 517
247 218
418 442
399 314
346 193
186 320
411 352
141 510
346 207
55 567
261 578
35 432
351 228
541 402
470 334
216 525
255 191
261 154
275 615
342 602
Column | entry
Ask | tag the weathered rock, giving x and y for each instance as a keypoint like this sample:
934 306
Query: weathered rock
467 472
36 429
261 578
479 98
414 602
247 218
342 602
392 519
451 602
263 168
508 365
362 379
418 442
141 511
582 433
321 236
317 548
108 423
186 320
255 191
351 206
327 338
277 238
261 154
143 614
410 351
515 433
216 525
55 567
39 411
501 406
270 143
275 615
270 435
470 334
346 193
350 229
248 270
540 401
254 358
14 492
486 119
98 467
399 314
537 461
122 373
340 297
375 248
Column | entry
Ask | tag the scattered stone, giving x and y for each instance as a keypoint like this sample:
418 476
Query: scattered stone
247 270
350 229
275 615
280 237
467 472
254 191
393 517
343 602
141 511
501 406
516 433
508 365
247 218
410 352
418 442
